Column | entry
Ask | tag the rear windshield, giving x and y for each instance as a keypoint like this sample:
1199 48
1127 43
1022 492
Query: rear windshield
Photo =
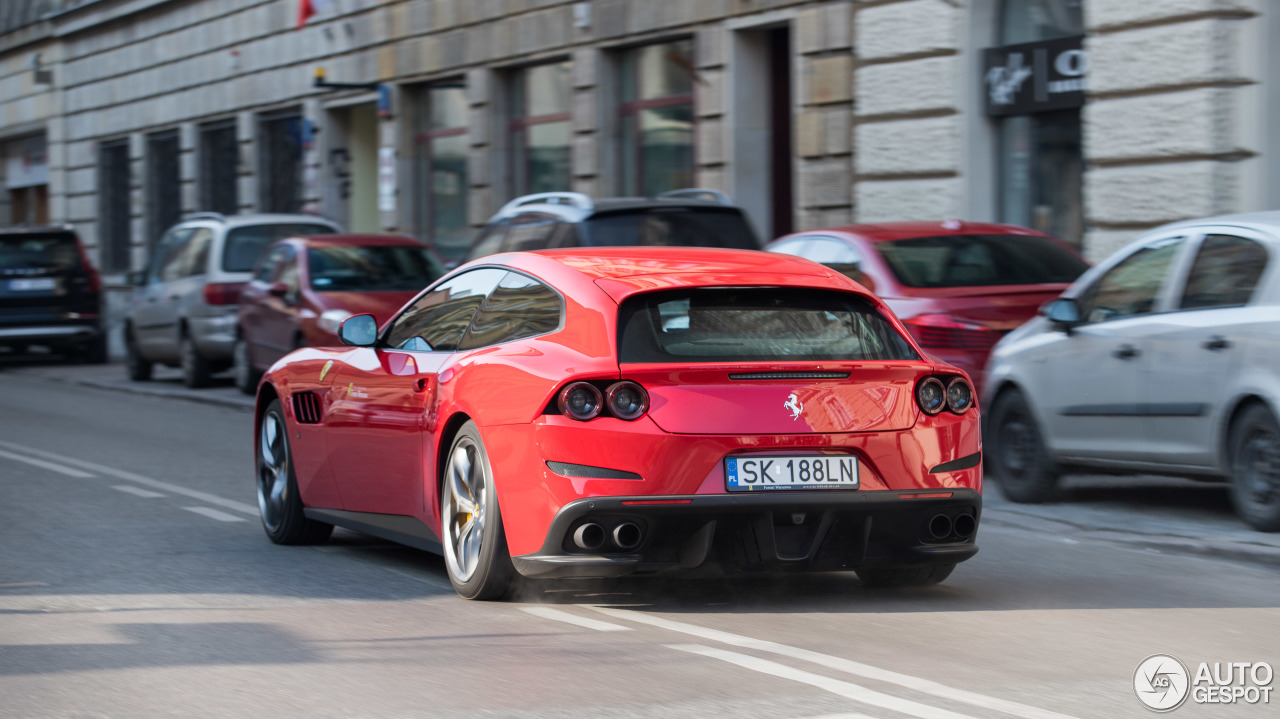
978 260
755 325
38 252
669 227
371 269
244 244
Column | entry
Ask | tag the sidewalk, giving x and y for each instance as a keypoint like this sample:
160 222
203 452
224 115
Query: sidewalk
165 382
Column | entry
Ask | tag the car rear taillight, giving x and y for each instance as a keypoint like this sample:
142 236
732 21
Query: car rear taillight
223 293
938 331
959 395
627 400
580 400
938 392
95 281
931 395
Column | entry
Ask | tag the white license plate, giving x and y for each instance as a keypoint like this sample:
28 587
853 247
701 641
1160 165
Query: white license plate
40 283
754 474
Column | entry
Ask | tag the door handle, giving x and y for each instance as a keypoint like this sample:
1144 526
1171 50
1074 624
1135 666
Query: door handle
1126 352
1217 343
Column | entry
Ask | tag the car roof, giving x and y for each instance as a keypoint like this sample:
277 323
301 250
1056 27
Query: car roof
890 231
41 230
618 262
258 218
1268 221
606 205
358 240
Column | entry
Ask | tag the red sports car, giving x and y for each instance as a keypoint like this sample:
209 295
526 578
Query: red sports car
958 286
601 412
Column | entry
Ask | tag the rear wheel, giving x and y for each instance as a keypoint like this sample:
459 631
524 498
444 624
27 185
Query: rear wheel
1255 468
278 500
196 370
242 367
1024 471
475 546
137 366
905 576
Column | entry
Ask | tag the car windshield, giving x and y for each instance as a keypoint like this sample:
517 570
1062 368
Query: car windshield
669 227
38 252
244 244
980 260
371 268
755 325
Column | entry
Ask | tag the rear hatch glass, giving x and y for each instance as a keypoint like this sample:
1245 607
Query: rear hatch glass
980 260
669 227
245 243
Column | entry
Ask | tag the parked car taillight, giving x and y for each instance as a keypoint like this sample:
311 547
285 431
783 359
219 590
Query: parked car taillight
938 331
223 293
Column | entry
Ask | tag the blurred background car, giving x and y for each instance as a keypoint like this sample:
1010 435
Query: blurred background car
183 309
1161 360
680 218
957 286
303 288
50 294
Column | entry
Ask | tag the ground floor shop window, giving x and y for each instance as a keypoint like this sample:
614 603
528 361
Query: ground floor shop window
219 162
280 182
164 184
114 214
656 119
540 97
1042 173
440 168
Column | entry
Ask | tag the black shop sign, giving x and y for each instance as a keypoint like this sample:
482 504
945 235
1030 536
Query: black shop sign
1035 76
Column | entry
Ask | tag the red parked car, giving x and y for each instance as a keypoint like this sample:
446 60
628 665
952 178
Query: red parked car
957 286
304 287
596 412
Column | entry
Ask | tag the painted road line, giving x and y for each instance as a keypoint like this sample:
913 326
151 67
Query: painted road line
567 618
212 513
136 491
139 479
842 715
45 465
845 689
866 671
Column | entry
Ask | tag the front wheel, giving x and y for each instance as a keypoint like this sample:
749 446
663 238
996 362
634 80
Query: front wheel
905 576
242 367
1255 468
475 546
1023 468
279 502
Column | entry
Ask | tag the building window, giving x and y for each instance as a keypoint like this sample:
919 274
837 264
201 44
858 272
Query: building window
24 169
113 211
280 180
440 168
1041 159
655 118
164 184
540 128
219 160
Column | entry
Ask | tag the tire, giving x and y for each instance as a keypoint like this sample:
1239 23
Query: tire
246 376
1255 468
196 370
138 367
1024 471
482 572
279 503
905 576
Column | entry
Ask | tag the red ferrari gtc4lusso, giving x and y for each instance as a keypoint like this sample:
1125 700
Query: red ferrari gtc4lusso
595 413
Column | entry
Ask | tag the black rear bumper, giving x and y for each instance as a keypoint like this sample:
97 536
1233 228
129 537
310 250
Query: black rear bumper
778 531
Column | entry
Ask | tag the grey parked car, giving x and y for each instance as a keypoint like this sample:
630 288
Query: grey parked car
183 310
1160 360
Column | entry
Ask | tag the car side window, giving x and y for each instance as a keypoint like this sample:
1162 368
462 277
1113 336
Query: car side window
796 248
531 231
196 260
436 321
830 251
519 307
1225 273
489 241
168 250
1131 287
173 259
288 272
267 267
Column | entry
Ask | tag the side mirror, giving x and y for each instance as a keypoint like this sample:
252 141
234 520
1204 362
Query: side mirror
137 278
358 331
1063 314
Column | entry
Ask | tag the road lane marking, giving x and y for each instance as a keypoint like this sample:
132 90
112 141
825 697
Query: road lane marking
845 689
842 715
567 618
212 513
46 465
865 671
136 491
139 479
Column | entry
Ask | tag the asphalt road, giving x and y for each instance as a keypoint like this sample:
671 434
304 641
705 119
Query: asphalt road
135 581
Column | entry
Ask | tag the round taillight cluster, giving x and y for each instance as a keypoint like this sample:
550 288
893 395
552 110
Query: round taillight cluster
625 400
933 395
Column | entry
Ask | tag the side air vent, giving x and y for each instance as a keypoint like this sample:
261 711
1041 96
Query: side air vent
306 408
789 375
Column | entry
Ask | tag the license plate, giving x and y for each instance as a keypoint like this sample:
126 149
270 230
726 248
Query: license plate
754 474
40 283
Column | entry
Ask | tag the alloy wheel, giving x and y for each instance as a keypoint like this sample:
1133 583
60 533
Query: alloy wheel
464 510
1260 464
273 470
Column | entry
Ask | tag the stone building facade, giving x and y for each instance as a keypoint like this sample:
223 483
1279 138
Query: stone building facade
125 114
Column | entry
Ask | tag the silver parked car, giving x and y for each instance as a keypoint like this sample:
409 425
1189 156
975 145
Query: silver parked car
183 310
1160 360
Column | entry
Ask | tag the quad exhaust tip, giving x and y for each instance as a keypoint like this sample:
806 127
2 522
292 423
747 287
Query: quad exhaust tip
940 526
589 536
966 525
627 535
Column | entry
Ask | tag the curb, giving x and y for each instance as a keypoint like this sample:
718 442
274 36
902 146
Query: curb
196 396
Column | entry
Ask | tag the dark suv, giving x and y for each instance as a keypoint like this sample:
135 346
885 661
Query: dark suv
681 218
49 294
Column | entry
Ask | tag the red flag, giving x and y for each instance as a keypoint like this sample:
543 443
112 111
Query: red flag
307 8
